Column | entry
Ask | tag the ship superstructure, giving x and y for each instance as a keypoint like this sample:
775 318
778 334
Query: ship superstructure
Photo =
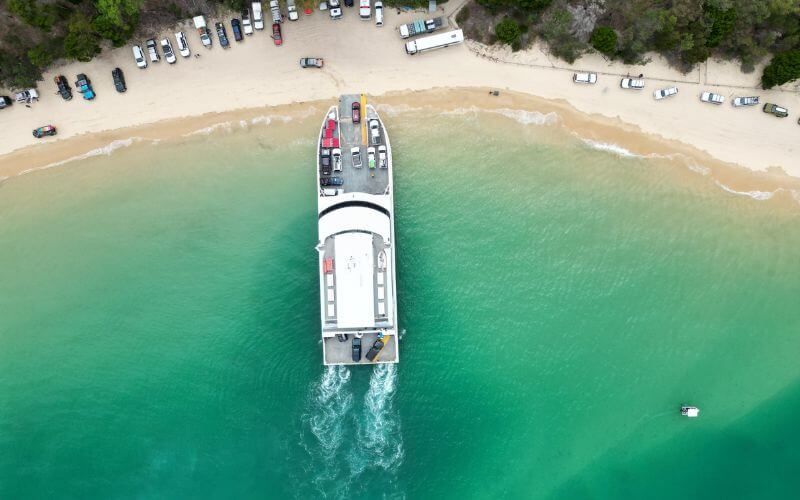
358 301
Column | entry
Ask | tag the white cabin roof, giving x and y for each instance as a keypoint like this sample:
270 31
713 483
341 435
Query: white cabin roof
355 280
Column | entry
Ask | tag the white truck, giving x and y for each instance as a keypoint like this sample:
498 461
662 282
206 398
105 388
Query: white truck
421 27
276 11
202 30
258 16
292 10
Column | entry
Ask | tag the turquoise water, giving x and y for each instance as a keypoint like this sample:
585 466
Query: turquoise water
159 326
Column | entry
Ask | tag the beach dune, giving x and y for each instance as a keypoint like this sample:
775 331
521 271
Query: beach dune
360 57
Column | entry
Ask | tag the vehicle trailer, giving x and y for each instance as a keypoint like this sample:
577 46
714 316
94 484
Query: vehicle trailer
422 26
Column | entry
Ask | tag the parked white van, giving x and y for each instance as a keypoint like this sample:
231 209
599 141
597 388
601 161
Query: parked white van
379 13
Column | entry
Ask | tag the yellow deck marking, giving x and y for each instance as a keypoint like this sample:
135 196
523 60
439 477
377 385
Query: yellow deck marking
363 119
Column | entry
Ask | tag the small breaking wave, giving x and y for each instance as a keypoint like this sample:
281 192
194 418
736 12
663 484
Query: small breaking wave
756 195
101 151
226 126
522 116
611 148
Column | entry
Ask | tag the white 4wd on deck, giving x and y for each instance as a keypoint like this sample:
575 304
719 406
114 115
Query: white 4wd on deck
374 131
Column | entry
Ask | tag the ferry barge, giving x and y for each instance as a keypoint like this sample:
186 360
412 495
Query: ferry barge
356 246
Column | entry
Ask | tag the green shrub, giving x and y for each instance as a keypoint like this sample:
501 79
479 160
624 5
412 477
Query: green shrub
604 40
81 42
508 31
784 67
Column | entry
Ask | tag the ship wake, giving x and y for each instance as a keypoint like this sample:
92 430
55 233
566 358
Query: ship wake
329 402
378 450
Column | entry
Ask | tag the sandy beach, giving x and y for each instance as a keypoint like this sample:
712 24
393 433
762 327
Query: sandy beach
256 78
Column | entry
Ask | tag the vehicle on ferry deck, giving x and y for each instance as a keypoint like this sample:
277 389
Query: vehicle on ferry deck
337 159
382 163
371 157
356 112
374 131
355 152
331 181
356 349
375 350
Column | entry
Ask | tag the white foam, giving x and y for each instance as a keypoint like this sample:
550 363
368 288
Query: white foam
611 148
381 443
226 126
519 115
101 151
756 195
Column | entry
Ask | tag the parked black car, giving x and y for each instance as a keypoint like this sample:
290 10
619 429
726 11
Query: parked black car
5 101
356 350
375 349
348 3
63 87
237 30
222 35
119 80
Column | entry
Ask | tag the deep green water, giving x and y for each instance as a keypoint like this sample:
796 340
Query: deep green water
159 324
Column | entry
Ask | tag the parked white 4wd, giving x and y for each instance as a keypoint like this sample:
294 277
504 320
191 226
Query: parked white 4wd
630 83
183 47
138 56
664 93
712 98
590 78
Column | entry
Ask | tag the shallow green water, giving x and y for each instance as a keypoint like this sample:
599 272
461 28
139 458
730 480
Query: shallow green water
159 326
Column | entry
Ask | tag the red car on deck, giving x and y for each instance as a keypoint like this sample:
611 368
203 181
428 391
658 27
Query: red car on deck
356 112
276 34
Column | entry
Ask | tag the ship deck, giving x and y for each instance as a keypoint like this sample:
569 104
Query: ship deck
364 179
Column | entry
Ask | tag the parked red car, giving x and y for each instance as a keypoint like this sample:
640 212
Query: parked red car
356 112
276 34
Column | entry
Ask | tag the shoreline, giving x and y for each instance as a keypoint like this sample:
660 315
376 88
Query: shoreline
256 78
594 131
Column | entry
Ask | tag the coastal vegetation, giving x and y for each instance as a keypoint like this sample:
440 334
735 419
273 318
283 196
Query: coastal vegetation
685 32
36 33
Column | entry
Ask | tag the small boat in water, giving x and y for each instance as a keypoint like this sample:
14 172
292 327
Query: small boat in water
690 411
